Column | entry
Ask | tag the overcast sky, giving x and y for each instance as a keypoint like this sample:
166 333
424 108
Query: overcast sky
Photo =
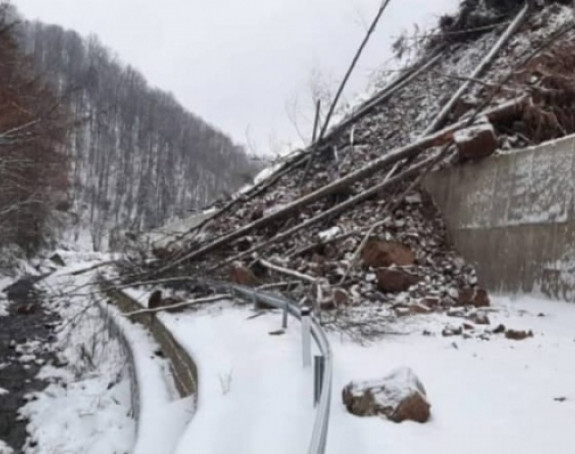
242 65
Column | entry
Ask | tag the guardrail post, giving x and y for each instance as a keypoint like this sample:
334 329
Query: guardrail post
285 315
319 369
306 335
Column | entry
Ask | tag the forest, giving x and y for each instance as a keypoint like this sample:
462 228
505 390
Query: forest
135 157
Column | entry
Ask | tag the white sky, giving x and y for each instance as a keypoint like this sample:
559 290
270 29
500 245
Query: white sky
239 64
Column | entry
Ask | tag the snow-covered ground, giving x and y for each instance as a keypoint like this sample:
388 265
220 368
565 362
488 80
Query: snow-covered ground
488 396
495 395
255 396
488 393
88 406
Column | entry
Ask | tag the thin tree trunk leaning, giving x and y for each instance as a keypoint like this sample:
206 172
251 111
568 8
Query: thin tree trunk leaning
479 70
211 299
385 94
350 203
505 110
343 83
370 31
316 121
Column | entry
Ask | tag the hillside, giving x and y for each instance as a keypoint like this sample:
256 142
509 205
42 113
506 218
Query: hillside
355 230
138 157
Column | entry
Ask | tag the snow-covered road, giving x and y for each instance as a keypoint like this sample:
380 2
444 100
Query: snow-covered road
255 396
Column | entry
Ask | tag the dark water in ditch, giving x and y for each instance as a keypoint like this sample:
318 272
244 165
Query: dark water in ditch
28 321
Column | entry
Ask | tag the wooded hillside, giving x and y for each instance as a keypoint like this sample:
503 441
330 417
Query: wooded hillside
139 158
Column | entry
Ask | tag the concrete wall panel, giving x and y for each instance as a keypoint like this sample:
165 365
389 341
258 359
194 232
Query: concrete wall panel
513 217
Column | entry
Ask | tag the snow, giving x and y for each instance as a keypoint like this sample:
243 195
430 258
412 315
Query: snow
329 234
85 416
86 407
495 396
4 303
89 406
5 449
488 394
255 396
163 415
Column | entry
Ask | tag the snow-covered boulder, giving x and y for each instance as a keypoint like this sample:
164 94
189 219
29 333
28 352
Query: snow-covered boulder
399 396
476 142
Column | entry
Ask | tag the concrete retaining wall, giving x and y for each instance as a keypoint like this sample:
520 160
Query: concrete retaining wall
184 369
513 216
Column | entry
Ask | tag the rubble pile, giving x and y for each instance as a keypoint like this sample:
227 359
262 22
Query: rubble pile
389 255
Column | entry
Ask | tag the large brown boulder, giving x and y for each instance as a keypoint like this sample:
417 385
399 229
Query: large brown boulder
241 275
400 396
382 254
395 280
477 297
476 142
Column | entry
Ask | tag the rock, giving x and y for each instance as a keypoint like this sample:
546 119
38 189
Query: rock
399 396
449 331
58 260
395 280
419 309
162 253
258 213
499 330
518 335
242 275
481 298
340 296
476 142
402 311
431 302
155 299
476 297
479 318
382 254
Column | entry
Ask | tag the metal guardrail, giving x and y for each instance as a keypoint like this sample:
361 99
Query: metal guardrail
189 384
321 425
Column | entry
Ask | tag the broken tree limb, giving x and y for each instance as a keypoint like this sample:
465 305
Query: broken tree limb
479 70
409 151
350 203
288 272
91 268
211 299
